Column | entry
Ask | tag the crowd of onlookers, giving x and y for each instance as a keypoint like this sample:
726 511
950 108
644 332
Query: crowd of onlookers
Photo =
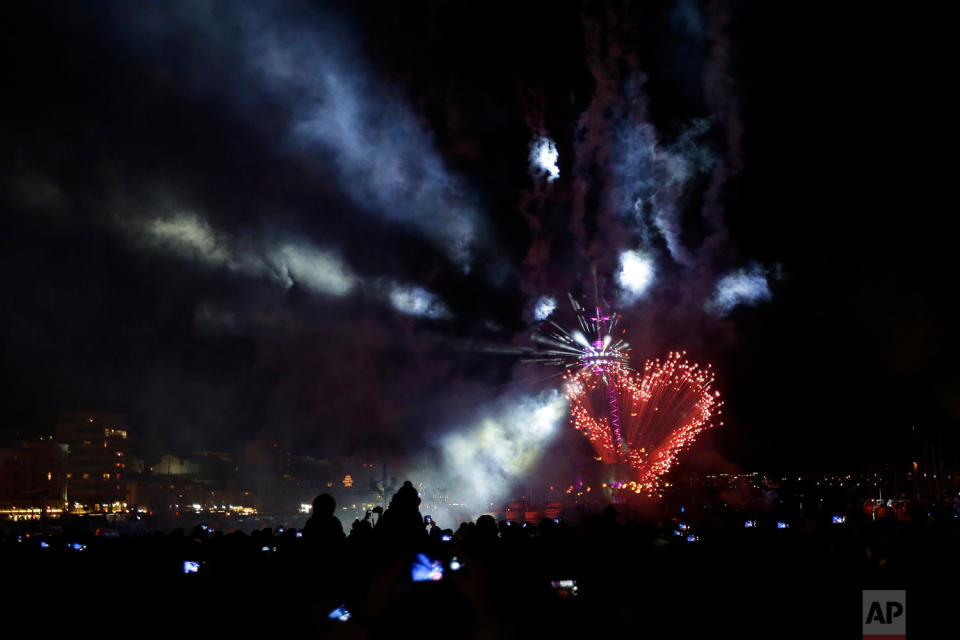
394 572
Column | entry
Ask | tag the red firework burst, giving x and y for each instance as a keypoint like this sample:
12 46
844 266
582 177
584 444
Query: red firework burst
644 421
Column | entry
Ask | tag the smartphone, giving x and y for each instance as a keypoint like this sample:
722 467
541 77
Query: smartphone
425 569
565 588
341 613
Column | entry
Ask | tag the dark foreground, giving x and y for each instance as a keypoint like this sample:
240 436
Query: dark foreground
714 578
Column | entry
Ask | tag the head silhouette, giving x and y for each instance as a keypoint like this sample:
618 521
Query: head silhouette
406 497
324 505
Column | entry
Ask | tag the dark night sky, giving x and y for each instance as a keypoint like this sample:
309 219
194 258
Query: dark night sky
186 185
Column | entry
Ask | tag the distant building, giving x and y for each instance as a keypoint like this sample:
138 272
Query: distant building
171 465
32 478
211 467
195 481
96 464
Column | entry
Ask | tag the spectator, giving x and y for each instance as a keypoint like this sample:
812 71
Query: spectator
323 527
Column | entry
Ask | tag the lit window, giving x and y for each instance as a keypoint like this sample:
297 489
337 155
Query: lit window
106 476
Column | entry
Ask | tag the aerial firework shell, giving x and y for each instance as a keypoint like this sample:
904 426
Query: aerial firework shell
644 421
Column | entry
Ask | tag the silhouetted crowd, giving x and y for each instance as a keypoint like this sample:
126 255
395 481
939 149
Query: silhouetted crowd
396 574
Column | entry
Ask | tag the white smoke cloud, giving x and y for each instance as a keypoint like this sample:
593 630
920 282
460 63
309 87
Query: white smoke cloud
298 64
320 271
190 236
384 159
649 180
635 275
743 286
543 158
544 306
499 450
416 301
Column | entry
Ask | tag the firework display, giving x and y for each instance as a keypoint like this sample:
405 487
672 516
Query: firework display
643 421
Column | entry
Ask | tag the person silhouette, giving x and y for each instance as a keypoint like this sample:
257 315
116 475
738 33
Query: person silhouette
402 523
323 527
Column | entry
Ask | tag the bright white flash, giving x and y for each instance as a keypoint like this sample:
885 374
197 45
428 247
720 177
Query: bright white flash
739 287
417 301
635 274
544 307
489 458
543 158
